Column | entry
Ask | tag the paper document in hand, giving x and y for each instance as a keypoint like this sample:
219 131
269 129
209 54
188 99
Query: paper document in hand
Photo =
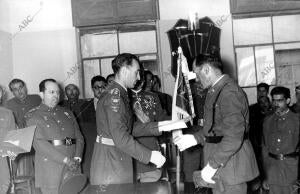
170 125
18 141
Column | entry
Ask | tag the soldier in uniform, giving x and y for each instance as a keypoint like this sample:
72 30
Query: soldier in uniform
57 141
115 146
229 160
147 108
281 137
7 122
20 104
73 102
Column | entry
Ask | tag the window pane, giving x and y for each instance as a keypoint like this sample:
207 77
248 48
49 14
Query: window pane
106 67
286 28
138 42
265 64
99 45
252 31
246 68
91 69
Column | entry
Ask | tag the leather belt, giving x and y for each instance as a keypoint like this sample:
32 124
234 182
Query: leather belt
218 139
284 156
213 139
68 141
105 141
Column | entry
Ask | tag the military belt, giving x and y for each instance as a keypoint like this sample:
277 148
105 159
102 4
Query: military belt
284 156
68 141
105 141
213 139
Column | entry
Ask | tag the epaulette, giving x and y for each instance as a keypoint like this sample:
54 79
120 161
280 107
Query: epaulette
31 111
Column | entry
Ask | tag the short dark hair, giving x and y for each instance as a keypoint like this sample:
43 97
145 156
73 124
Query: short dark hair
109 76
97 78
158 80
71 85
280 90
14 81
42 84
213 61
263 85
122 60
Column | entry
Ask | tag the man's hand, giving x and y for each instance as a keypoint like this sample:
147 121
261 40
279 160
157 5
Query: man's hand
157 158
185 141
265 185
207 173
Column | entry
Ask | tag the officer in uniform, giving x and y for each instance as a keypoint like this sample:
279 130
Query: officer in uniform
20 104
7 122
229 160
115 146
147 108
281 137
73 102
58 142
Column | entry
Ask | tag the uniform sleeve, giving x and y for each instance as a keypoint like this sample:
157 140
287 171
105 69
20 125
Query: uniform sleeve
264 150
79 138
114 109
145 129
41 144
232 105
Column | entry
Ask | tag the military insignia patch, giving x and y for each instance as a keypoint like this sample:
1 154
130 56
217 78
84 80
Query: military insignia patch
115 99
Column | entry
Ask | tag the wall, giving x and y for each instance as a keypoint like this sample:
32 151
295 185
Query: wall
6 67
44 41
217 10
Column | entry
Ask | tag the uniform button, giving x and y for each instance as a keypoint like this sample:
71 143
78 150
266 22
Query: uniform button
283 118
154 113
279 140
62 128
277 149
58 121
54 113
48 125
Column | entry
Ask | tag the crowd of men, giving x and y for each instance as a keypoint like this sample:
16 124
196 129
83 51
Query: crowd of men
229 148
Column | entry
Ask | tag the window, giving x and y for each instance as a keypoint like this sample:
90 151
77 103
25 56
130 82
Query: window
267 49
100 45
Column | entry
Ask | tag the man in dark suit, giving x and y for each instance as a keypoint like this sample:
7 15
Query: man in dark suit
87 122
57 141
229 159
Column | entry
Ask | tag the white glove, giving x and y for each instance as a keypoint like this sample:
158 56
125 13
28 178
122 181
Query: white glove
185 141
207 173
157 158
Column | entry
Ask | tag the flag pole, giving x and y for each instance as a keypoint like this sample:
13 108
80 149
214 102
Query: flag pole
176 116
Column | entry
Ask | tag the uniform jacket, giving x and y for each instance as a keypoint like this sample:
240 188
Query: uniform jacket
53 124
281 136
234 155
21 108
151 109
113 164
7 122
